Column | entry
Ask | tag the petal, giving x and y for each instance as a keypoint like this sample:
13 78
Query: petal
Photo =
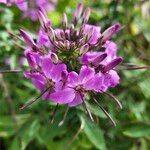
22 5
86 73
98 84
56 72
46 65
96 33
72 79
38 80
33 58
64 96
114 80
76 101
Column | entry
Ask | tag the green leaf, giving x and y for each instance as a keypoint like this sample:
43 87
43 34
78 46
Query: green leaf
29 132
15 144
138 130
93 132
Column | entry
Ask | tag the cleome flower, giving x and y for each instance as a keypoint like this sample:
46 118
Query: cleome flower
30 7
70 64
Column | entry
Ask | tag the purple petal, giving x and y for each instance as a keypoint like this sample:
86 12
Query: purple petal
76 101
22 5
47 65
33 58
112 64
108 33
86 73
27 38
97 83
114 79
72 79
96 61
96 33
56 72
63 97
3 1
38 80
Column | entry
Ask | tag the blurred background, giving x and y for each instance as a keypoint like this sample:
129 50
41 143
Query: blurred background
30 129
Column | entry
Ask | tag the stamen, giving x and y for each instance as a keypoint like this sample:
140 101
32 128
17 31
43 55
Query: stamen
106 113
64 117
10 71
53 114
88 111
114 98
134 68
32 101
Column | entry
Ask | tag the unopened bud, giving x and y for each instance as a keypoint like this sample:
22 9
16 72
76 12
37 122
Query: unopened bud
108 33
64 21
54 58
51 34
84 49
77 13
112 64
27 38
64 75
67 44
86 15
45 22
99 59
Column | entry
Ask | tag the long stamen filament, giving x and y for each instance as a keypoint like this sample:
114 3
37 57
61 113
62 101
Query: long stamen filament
53 113
10 71
33 101
88 111
64 117
106 113
114 98
134 68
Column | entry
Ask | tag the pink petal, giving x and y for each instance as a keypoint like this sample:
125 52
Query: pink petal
76 101
63 97
46 65
56 71
72 79
86 73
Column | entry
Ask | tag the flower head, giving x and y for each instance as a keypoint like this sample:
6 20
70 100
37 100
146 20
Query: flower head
70 63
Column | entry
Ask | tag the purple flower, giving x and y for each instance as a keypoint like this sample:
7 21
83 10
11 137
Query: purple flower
77 86
30 7
74 62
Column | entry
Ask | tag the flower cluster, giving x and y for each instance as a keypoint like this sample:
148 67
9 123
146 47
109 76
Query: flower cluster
71 63
30 7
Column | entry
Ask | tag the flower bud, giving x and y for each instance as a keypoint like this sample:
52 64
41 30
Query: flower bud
27 38
84 49
77 13
54 58
45 22
112 64
51 34
64 21
99 59
108 33
86 15
64 75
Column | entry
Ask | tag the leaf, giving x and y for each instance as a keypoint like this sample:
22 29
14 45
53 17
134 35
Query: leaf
138 130
29 132
14 145
93 132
